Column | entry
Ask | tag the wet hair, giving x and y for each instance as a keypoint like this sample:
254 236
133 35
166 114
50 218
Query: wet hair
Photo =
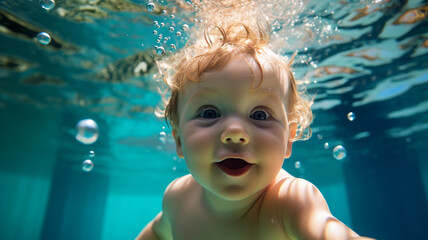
213 50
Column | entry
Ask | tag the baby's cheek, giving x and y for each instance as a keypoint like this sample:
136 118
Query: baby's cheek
272 143
197 140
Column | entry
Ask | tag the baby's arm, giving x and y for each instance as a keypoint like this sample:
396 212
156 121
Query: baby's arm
160 227
157 229
306 215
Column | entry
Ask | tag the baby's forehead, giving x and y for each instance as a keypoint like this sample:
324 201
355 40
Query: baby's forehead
249 67
237 75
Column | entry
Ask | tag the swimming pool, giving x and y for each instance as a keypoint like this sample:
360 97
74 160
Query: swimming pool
365 61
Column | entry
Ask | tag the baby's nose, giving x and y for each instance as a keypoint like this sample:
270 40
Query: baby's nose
235 133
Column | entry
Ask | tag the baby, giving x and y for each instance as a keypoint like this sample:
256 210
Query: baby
235 112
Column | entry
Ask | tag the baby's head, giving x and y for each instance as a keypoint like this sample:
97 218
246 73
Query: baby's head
214 50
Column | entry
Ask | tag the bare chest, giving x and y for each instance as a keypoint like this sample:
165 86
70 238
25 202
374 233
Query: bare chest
193 224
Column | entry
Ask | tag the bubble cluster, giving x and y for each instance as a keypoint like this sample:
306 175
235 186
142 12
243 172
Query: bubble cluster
339 152
351 116
169 31
43 38
87 165
87 131
47 4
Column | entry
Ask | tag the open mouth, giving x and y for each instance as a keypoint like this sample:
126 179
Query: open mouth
234 166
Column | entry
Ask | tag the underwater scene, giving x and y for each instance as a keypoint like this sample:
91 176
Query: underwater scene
83 155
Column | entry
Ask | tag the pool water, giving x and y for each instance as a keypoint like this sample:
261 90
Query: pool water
366 63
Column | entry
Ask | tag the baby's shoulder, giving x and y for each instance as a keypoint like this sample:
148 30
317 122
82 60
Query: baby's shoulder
177 195
295 196
293 192
293 188
290 185
180 188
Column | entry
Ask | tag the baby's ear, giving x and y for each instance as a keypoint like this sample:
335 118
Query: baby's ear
292 133
176 135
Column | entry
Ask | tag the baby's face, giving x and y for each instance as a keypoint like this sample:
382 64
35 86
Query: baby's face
234 138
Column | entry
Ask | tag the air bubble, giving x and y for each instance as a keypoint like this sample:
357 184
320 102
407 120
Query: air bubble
164 12
351 116
87 165
172 16
160 50
297 165
162 137
47 4
155 32
185 27
173 46
171 29
339 152
91 154
178 34
314 65
326 145
43 38
87 131
150 6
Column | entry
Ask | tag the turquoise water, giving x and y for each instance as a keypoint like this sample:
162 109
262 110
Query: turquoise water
369 58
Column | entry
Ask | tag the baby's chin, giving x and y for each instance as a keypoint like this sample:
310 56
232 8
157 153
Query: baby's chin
235 193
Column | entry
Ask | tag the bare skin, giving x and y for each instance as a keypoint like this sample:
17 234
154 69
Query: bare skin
222 118
285 210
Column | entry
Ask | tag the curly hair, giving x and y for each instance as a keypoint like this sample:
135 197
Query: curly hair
214 49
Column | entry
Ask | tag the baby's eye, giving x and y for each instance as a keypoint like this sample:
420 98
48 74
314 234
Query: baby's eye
209 113
260 115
